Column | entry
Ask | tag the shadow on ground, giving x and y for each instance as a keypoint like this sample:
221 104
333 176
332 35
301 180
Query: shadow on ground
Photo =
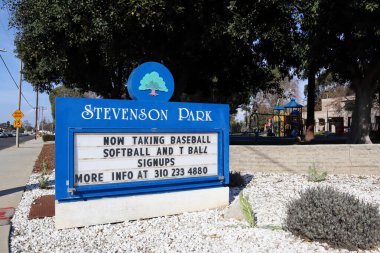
12 190
235 191
30 187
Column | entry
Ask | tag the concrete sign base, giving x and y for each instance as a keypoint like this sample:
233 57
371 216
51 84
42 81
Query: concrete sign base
119 209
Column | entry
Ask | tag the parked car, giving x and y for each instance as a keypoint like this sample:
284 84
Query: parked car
3 135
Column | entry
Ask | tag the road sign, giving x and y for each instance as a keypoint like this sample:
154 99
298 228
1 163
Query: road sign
17 123
18 114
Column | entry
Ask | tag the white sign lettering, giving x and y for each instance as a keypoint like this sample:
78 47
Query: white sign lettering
142 114
186 114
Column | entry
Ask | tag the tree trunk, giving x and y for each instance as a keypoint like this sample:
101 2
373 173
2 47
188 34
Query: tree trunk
153 93
310 121
117 83
361 117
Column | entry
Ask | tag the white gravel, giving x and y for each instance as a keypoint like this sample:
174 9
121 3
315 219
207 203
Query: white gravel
205 231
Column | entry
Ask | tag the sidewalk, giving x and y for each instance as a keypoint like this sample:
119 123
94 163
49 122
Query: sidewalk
16 165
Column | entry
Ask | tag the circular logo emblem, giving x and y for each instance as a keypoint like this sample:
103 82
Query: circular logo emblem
151 81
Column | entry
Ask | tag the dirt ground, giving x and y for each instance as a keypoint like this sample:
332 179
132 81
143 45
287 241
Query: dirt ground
47 155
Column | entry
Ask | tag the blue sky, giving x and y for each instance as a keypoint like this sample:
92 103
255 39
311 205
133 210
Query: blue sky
8 90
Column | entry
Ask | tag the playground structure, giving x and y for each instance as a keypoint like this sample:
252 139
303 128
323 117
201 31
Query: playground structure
279 120
293 118
285 120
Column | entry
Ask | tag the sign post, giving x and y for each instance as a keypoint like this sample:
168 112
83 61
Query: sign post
120 160
18 113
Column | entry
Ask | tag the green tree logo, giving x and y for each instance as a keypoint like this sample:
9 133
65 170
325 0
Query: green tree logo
152 81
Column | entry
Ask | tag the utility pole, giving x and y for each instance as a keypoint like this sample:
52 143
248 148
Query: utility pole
35 126
19 104
42 118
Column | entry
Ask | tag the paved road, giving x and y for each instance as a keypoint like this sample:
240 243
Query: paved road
11 141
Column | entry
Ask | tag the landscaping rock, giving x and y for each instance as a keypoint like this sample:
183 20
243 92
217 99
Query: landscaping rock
234 211
205 231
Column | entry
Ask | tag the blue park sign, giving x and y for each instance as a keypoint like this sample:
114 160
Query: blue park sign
129 147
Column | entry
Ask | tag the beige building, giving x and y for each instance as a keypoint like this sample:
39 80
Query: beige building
336 115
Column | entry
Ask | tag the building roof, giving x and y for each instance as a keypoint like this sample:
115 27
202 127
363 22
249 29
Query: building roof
278 108
293 104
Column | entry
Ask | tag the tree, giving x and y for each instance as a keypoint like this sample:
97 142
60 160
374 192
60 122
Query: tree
42 125
327 87
352 32
311 50
49 126
94 45
153 82
263 103
27 126
293 42
62 91
270 28
345 38
235 126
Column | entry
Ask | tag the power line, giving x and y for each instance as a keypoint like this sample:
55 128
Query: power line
22 94
9 72
15 83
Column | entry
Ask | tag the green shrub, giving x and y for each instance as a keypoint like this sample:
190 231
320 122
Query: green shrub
45 168
48 137
43 179
314 175
247 210
236 180
340 219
